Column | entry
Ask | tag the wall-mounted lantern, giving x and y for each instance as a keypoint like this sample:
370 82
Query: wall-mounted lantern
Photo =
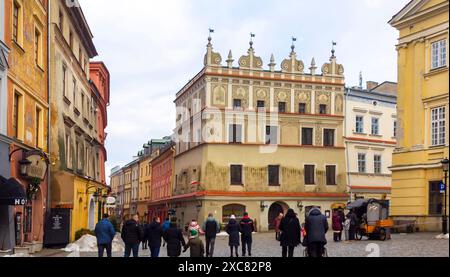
300 205
263 205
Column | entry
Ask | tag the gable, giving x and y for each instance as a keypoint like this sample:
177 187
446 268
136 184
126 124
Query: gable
415 8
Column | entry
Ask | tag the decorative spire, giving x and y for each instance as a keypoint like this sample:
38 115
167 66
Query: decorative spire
360 80
251 61
313 67
272 63
209 37
252 35
230 60
211 58
293 45
332 49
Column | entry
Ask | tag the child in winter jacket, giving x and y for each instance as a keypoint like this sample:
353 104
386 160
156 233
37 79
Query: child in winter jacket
195 244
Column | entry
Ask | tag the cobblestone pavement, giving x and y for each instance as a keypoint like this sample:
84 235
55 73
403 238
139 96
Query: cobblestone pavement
265 245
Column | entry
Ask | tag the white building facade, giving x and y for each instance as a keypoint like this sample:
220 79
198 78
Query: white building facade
370 139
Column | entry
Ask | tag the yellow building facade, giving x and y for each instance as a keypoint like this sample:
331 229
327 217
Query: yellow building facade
74 145
423 96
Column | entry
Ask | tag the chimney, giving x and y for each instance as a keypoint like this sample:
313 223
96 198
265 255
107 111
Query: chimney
371 85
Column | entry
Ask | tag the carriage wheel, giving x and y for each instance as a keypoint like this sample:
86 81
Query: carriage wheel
382 235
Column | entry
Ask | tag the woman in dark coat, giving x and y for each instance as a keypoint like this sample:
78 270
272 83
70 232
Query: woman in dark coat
174 240
232 230
337 226
290 233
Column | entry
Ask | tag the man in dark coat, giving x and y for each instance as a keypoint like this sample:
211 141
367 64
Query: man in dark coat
246 227
232 230
154 234
174 240
353 224
132 235
104 231
211 228
290 236
316 227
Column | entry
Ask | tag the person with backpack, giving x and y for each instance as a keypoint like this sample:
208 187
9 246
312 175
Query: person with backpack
232 230
246 228
290 236
211 227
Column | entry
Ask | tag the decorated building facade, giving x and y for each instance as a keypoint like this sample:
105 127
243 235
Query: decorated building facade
259 140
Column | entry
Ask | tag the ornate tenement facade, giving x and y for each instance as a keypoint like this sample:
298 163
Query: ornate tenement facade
77 119
259 140
423 112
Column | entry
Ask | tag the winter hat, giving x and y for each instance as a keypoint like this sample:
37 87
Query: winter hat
194 233
232 216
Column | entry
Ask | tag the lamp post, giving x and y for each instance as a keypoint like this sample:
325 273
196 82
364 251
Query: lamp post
445 163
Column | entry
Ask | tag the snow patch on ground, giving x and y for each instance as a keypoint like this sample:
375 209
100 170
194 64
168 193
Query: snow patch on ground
88 243
18 255
442 236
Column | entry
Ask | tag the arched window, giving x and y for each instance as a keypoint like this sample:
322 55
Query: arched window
236 209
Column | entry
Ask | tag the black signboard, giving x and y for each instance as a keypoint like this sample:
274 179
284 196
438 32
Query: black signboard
57 228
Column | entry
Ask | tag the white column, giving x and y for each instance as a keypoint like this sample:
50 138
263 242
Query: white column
333 94
313 101
250 96
292 101
272 92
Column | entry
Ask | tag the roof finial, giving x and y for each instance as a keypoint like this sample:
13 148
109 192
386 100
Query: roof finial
230 60
252 35
332 49
209 36
360 80
294 39
313 66
272 63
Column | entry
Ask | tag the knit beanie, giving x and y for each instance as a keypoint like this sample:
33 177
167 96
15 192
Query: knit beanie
194 233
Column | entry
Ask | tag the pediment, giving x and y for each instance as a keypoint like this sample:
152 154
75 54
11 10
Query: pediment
415 7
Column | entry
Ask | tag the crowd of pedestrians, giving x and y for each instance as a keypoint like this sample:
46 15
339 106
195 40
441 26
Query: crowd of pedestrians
288 231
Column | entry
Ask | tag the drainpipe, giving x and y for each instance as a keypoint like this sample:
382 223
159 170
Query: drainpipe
346 142
49 202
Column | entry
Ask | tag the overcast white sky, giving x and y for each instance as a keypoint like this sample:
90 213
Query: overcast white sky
152 48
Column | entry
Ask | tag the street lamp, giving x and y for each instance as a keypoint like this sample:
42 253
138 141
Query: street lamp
445 163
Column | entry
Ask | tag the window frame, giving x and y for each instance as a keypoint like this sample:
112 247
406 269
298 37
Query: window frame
234 182
276 179
334 178
377 164
326 137
282 107
269 135
438 126
375 128
325 106
362 163
306 181
233 133
300 105
359 126
17 23
303 129
440 53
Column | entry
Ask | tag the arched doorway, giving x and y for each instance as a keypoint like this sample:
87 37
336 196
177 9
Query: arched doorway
274 210
91 215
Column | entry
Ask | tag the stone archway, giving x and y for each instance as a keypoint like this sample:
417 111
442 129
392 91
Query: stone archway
275 209
91 223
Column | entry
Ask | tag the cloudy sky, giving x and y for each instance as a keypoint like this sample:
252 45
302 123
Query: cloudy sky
152 48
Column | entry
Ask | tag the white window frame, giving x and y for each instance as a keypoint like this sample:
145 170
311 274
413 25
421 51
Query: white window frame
438 54
372 125
360 161
361 130
377 164
438 128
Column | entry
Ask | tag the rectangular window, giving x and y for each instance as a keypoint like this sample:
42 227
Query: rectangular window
302 108
74 92
235 133
64 79
16 14
307 136
323 109
236 174
71 40
82 103
328 137
309 174
281 107
274 175
271 134
38 128
438 128
375 126
395 128
68 152
439 54
359 126
261 104
435 202
361 163
331 175
237 104
61 21
37 47
16 112
377 164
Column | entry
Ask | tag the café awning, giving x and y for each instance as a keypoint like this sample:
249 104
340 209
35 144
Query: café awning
12 192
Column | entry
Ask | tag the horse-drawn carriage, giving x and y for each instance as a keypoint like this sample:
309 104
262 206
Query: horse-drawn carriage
373 218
